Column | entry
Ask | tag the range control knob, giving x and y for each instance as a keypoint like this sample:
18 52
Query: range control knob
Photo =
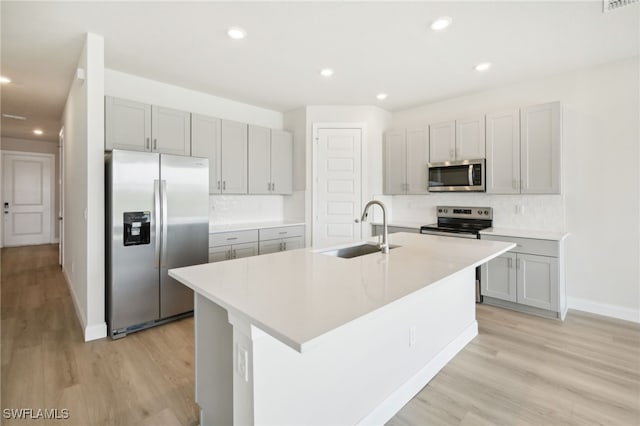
439 210
480 212
486 212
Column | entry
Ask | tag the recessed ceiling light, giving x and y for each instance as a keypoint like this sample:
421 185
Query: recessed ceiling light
4 80
483 66
326 72
15 117
381 96
441 23
236 33
38 131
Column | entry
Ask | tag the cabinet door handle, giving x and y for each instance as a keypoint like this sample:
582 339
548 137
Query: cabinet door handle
232 238
273 186
224 185
285 246
235 256
147 144
155 144
218 184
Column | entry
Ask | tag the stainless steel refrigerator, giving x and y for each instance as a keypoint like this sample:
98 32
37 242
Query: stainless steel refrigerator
157 218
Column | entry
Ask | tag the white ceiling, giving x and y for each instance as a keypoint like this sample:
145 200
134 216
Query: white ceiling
373 47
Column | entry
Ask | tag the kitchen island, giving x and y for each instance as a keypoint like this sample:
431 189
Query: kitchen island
303 337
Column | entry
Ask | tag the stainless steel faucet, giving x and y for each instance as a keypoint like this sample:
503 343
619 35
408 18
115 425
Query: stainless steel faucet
384 246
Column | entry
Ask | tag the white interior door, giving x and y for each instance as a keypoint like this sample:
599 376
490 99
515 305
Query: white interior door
338 187
27 198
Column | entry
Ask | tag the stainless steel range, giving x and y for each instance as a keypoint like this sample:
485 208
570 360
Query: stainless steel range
461 222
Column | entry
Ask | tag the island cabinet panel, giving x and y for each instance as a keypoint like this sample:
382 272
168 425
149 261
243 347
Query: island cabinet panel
205 142
529 278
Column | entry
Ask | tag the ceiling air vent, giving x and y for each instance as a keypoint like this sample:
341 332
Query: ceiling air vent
609 5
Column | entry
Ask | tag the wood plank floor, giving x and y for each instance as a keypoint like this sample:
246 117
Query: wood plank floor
520 370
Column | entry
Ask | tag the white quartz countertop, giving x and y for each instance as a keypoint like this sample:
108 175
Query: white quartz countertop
525 233
412 225
213 228
300 296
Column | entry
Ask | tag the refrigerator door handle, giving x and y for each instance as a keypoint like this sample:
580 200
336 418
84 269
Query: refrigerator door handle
157 220
164 223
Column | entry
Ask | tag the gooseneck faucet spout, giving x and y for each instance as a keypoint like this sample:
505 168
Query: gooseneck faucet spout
384 246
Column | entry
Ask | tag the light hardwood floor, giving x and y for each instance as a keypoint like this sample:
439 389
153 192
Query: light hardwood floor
520 369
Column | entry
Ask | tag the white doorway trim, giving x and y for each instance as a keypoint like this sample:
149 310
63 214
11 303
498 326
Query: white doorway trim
61 197
51 159
364 170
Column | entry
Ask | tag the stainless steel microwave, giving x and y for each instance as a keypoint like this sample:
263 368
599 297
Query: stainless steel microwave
457 176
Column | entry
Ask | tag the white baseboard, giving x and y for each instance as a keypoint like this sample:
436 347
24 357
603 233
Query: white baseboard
398 399
90 332
604 309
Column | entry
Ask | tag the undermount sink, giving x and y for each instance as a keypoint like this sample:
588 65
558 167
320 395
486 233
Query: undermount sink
355 251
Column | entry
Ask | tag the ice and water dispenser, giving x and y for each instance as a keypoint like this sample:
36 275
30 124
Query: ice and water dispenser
137 228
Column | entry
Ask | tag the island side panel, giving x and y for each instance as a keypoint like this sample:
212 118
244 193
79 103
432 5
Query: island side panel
214 362
369 368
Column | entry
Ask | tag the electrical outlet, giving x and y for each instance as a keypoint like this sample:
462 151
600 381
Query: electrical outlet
412 335
242 363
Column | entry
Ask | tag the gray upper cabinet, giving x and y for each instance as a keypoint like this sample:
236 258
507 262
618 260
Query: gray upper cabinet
127 125
503 152
540 149
457 140
136 126
170 131
270 161
281 162
205 142
406 154
233 170
442 141
524 150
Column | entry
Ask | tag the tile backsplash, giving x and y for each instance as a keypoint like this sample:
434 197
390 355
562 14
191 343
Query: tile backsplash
534 212
232 209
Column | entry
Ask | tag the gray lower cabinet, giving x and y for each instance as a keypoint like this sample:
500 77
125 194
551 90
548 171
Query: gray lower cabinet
273 240
529 278
378 229
233 245
237 244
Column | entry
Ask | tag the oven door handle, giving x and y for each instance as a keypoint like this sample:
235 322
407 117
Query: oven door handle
470 174
450 234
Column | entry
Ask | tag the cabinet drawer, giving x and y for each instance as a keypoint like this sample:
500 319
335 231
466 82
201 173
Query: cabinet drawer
233 237
529 245
281 232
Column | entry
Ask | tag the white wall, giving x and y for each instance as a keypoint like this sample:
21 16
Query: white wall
83 183
223 208
44 147
600 205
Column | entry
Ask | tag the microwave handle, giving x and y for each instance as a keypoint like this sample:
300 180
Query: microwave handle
470 174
